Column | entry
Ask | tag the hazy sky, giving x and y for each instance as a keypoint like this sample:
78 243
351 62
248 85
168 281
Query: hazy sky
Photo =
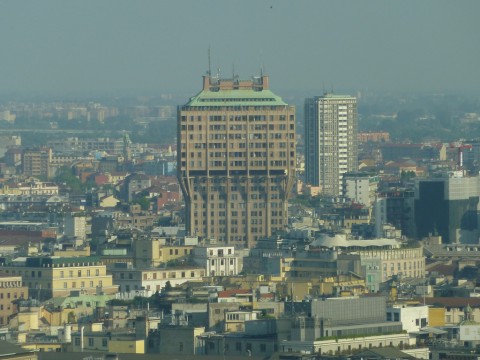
110 46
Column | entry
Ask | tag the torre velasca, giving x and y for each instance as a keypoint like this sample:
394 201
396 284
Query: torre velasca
236 160
330 141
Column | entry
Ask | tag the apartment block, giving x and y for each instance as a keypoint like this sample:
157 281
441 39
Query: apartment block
331 148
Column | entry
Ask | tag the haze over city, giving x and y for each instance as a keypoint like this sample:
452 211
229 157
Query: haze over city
115 47
232 179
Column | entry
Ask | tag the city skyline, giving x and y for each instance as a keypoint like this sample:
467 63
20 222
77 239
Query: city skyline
121 47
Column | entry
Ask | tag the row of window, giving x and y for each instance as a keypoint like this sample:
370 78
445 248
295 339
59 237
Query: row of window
171 275
82 284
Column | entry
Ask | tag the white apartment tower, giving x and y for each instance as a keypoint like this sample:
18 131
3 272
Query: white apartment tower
330 141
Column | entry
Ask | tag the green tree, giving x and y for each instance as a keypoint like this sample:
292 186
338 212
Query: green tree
143 202
66 176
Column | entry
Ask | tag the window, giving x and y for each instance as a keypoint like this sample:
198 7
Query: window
238 346
263 347
90 341
104 342
97 272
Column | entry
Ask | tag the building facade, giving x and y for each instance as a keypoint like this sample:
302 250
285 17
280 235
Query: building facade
152 253
11 289
36 162
330 140
448 207
48 277
236 160
360 188
218 260
130 279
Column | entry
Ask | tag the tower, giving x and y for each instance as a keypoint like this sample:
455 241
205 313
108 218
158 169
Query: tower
330 141
236 160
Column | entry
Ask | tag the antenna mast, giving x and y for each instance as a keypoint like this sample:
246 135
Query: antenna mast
209 68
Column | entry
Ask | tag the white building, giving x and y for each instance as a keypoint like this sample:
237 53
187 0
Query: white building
413 318
218 260
380 212
130 279
331 148
360 188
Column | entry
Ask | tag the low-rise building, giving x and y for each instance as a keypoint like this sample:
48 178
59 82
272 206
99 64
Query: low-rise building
51 276
235 320
413 318
218 260
11 289
129 278
151 253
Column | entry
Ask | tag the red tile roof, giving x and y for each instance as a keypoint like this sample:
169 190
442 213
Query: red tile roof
233 293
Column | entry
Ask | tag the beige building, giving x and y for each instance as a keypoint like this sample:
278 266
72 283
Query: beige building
178 340
48 277
129 279
151 253
235 320
406 262
236 160
32 188
11 289
37 162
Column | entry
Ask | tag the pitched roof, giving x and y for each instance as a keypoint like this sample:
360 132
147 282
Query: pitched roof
233 292
7 348
453 301
383 353
235 98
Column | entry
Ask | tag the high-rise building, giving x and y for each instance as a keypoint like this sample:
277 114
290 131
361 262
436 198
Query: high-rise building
236 160
330 141
37 162
448 206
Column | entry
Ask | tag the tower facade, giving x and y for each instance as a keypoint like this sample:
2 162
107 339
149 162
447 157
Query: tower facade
236 160
331 148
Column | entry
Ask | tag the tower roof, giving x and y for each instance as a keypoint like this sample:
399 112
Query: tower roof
234 92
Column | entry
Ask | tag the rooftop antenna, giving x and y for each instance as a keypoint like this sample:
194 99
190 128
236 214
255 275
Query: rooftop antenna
233 71
209 68
331 84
